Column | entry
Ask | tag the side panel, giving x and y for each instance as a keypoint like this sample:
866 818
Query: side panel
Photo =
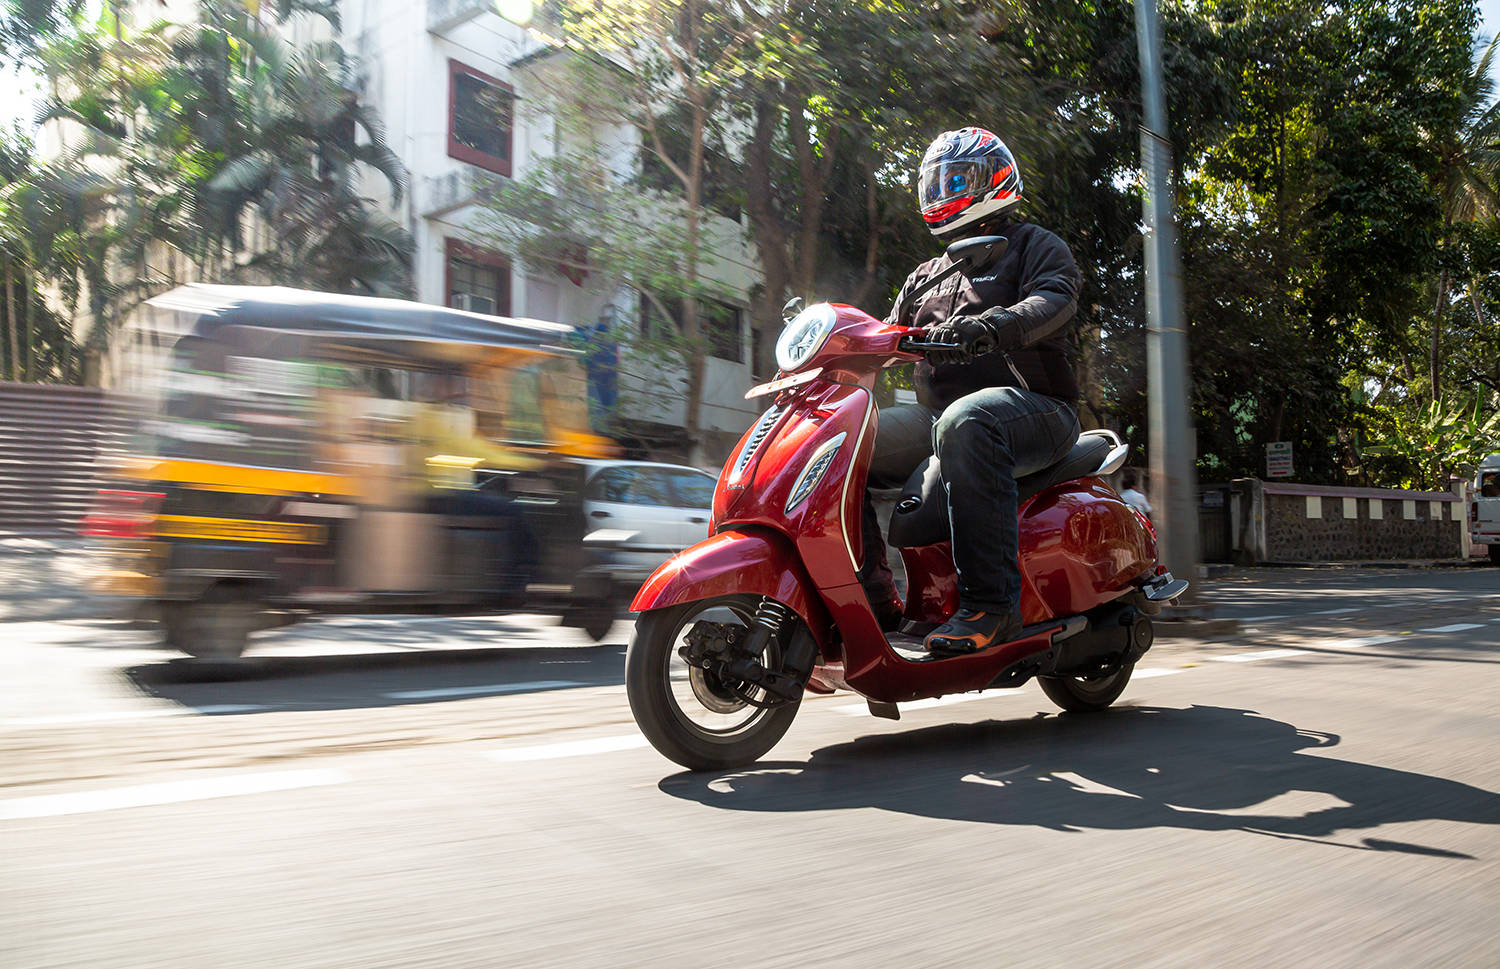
1080 546
826 522
736 562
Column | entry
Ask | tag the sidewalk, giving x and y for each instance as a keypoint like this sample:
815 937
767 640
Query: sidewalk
46 579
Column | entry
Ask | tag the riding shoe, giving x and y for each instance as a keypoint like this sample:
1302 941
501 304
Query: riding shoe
971 630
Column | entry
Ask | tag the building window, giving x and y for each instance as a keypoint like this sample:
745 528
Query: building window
480 115
720 323
477 279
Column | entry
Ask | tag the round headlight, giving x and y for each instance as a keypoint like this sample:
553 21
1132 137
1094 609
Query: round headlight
804 336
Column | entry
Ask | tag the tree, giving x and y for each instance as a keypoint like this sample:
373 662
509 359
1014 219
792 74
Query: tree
179 133
670 64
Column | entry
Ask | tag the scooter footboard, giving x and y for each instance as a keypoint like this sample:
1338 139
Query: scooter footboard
737 562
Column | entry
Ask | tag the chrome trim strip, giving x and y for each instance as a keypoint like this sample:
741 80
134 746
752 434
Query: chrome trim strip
826 449
844 497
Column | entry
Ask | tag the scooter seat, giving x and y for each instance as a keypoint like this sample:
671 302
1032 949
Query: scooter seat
921 515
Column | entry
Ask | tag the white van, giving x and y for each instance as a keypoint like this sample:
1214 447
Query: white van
1484 506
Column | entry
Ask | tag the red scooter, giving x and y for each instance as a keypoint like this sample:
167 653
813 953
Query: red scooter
733 630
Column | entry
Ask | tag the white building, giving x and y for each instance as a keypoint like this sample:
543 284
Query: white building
450 79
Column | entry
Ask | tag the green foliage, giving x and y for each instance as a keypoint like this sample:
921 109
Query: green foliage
1437 440
181 138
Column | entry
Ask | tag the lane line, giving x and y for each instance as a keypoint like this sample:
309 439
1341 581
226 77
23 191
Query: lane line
1457 627
1262 618
570 748
1334 612
1259 655
1148 674
172 792
488 688
1360 643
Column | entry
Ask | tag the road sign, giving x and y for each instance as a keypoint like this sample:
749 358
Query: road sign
1279 459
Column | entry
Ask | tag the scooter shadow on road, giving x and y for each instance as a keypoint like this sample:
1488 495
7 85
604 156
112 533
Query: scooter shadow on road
1201 768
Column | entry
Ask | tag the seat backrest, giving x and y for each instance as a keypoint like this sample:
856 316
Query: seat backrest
921 515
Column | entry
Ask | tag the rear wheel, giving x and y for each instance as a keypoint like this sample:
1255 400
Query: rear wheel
214 626
1078 694
689 714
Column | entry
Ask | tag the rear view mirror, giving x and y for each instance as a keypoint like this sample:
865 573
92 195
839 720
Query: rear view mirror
977 255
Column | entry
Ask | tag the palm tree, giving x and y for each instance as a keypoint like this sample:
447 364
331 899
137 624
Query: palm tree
1468 179
191 133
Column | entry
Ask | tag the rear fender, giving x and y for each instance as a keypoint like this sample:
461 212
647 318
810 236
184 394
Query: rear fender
738 562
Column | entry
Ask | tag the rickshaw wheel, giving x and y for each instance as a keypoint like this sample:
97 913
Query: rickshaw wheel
598 624
215 626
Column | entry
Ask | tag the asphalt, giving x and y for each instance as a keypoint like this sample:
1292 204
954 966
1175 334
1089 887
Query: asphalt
1318 789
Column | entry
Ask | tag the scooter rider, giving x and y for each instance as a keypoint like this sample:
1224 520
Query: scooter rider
999 406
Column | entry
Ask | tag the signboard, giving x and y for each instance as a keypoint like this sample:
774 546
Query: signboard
1279 459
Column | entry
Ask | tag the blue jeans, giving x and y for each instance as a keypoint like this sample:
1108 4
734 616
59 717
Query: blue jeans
984 442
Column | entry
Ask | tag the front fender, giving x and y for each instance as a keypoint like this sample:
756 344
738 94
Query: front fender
737 562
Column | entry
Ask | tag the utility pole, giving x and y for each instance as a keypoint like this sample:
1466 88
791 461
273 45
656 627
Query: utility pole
1172 443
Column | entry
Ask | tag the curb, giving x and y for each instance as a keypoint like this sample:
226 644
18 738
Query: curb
1403 564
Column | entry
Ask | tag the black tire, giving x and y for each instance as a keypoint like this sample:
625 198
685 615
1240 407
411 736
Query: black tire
649 685
1076 694
216 626
598 624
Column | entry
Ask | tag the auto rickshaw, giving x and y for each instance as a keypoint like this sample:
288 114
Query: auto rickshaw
301 453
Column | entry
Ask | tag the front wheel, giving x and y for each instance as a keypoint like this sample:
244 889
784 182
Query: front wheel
689 714
1078 694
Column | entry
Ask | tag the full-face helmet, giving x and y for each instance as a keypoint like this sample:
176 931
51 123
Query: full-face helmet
967 176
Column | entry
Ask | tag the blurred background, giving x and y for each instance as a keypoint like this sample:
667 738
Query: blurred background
433 320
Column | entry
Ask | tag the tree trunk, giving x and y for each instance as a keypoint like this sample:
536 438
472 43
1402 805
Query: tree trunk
1436 359
770 236
697 358
10 320
29 371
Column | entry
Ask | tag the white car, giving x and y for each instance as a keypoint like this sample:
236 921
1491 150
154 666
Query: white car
667 506
1484 507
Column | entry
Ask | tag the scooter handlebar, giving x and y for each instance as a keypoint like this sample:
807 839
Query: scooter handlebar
915 343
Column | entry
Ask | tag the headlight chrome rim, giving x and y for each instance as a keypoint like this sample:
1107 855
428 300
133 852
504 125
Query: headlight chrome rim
804 336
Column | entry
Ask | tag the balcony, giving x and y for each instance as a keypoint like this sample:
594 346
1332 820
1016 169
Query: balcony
438 195
444 15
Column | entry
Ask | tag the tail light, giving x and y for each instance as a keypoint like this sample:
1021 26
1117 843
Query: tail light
122 514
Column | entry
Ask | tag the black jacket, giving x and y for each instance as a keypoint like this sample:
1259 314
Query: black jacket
1038 282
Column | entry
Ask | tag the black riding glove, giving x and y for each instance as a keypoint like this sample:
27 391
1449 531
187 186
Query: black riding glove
974 336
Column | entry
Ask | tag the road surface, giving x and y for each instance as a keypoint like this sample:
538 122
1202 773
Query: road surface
1319 789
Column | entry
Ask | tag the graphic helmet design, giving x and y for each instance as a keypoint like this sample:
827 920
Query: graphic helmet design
967 176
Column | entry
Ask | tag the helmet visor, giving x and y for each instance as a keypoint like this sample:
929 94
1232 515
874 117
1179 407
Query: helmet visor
944 181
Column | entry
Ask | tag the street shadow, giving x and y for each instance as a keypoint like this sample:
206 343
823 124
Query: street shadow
272 684
1202 768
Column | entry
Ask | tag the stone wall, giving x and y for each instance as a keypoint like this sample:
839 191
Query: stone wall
1311 523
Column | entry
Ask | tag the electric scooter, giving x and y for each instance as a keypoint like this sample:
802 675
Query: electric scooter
735 629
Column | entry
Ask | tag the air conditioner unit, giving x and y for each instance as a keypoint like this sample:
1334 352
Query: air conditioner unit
472 303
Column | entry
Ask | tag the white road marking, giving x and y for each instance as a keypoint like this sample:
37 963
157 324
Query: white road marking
1258 655
118 716
1087 786
172 792
1148 674
1359 643
571 748
490 688
863 709
1263 618
1457 627
1334 612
